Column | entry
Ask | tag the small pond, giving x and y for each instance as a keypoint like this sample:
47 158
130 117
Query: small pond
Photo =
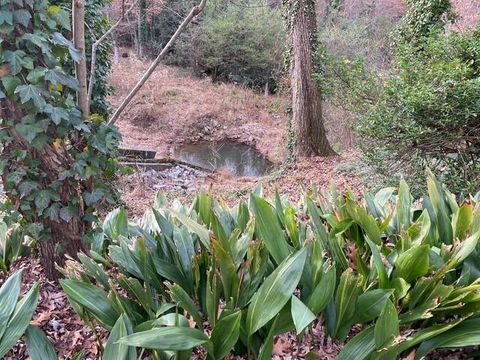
239 159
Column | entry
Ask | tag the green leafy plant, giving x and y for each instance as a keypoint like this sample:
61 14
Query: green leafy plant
15 316
55 165
406 272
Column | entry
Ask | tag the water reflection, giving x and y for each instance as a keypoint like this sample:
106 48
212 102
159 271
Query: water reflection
239 159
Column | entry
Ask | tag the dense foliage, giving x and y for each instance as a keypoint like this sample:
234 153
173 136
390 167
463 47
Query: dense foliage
98 24
54 165
407 272
16 313
239 42
428 114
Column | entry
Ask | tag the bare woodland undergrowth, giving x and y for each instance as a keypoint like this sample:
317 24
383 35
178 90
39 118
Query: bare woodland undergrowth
175 108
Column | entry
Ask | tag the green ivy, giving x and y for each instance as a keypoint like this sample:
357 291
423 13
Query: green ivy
46 148
97 26
424 16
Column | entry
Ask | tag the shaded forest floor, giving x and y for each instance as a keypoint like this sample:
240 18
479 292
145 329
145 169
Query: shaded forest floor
175 108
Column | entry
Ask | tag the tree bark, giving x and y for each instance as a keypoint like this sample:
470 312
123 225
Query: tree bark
62 237
309 131
78 27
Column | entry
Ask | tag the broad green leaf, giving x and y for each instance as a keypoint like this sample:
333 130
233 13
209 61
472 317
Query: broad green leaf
8 298
116 223
17 60
465 334
379 265
412 263
38 345
462 221
194 227
323 292
167 338
119 351
275 291
417 338
22 17
302 316
401 288
33 93
419 231
365 220
403 207
19 320
269 229
225 334
462 251
345 303
386 326
437 197
59 39
93 299
371 304
58 76
360 347
183 300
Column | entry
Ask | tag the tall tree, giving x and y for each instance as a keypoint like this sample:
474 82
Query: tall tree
78 29
308 128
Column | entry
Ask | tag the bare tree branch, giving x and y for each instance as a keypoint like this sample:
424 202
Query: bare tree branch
194 12
93 62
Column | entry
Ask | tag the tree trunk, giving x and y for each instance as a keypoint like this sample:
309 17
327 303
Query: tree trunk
142 27
62 237
78 27
309 131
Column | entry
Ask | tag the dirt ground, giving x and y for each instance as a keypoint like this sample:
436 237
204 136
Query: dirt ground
175 108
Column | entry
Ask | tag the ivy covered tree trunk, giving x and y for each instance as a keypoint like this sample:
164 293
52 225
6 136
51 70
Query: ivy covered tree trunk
61 233
54 165
308 128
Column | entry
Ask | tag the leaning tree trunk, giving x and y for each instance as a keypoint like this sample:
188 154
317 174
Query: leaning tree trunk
62 237
309 131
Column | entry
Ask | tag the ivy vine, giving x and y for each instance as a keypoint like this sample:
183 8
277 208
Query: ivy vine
55 167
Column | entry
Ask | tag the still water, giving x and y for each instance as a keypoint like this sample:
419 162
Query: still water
239 159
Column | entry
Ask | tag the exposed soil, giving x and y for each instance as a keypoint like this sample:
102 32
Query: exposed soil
175 108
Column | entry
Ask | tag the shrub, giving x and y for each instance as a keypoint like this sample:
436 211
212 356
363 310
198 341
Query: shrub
407 272
241 42
428 114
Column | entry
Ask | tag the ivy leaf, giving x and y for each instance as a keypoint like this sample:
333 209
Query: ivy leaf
31 92
36 74
6 17
17 60
38 39
59 39
22 17
58 76
10 83
60 16
67 213
57 114
93 197
28 131
42 200
52 212
26 187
